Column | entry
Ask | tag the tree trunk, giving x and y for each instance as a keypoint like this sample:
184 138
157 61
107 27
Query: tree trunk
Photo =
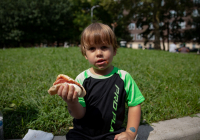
163 41
157 37
167 36
58 43
156 31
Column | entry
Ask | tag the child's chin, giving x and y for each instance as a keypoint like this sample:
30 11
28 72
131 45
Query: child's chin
99 68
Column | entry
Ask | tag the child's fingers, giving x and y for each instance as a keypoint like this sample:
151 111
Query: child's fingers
116 136
121 136
65 91
60 90
75 95
70 92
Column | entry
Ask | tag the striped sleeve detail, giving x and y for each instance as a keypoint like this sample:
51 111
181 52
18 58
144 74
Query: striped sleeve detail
80 79
133 94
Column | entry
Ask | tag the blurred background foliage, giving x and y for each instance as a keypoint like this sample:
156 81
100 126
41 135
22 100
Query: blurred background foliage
29 22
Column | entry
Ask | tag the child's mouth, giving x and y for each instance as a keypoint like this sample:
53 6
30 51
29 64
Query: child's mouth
101 62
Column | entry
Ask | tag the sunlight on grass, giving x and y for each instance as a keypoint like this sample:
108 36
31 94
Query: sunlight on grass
170 83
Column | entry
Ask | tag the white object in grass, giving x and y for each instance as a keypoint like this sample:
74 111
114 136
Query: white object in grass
37 135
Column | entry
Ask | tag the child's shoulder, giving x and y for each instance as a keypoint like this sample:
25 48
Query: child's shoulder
83 74
122 73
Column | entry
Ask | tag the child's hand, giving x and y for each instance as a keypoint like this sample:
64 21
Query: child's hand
125 136
68 93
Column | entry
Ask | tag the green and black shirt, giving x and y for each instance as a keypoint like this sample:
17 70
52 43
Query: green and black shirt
105 104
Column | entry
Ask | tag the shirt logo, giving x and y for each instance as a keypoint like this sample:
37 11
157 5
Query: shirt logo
115 103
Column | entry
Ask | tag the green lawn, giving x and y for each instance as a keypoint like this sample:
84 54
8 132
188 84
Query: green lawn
170 83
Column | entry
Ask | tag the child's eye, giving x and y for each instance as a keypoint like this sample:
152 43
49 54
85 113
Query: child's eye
104 47
91 48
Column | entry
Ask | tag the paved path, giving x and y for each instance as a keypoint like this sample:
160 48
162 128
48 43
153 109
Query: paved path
186 128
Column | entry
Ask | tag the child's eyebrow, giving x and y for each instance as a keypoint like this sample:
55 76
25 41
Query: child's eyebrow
106 45
88 47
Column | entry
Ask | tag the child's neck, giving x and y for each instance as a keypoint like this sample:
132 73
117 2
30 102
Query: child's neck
101 72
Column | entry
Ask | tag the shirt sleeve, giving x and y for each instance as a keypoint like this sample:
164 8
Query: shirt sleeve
133 96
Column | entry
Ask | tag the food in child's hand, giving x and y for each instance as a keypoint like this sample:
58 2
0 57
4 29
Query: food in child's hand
62 79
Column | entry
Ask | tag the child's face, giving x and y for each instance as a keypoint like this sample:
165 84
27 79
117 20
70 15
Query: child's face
100 56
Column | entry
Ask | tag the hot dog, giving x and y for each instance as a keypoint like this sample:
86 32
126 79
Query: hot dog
62 79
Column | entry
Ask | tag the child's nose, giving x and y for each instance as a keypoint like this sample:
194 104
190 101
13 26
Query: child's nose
99 52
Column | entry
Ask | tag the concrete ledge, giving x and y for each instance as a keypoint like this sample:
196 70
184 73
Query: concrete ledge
59 138
186 128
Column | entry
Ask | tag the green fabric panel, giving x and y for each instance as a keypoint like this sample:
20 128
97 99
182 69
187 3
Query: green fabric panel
82 101
133 94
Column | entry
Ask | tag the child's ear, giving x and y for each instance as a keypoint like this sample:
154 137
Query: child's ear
86 57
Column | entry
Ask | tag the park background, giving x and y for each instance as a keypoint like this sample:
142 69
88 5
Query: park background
170 82
28 23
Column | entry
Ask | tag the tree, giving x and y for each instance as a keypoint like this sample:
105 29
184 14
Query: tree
82 17
145 12
173 20
193 33
117 18
26 22
34 21
9 23
153 16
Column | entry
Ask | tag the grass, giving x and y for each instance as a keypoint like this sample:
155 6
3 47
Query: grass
170 82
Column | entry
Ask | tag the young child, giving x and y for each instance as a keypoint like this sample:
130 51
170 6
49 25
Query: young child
100 114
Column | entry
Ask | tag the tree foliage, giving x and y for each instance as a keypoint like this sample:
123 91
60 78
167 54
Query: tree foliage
117 18
26 22
34 21
193 33
153 16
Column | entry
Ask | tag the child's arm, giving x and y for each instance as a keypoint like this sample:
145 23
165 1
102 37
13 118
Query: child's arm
134 114
71 98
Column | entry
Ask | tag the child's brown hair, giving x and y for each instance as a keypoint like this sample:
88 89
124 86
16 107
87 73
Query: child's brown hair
97 33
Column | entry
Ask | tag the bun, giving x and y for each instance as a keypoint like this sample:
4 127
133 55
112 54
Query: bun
62 79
